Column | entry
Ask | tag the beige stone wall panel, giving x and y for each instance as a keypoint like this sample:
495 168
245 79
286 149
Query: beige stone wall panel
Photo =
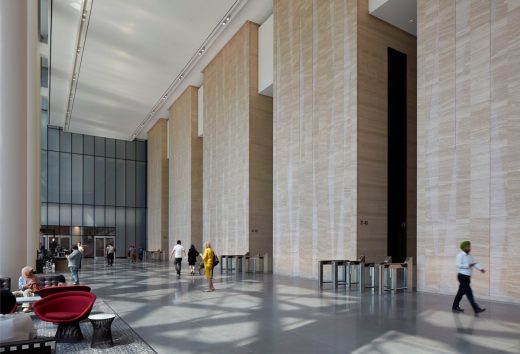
237 150
157 207
467 166
315 130
185 171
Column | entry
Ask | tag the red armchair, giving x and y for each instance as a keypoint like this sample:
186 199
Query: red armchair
66 309
60 289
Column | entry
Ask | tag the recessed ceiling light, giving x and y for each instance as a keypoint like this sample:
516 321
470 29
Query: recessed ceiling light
164 97
226 21
202 50
74 78
181 77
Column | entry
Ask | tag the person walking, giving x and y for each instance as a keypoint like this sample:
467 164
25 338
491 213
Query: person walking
132 253
178 252
192 258
208 257
74 261
465 264
110 254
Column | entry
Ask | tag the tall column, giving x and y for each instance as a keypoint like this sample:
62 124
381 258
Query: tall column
158 186
33 133
185 171
13 136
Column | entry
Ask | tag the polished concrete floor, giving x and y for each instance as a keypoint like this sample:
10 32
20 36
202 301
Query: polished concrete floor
273 314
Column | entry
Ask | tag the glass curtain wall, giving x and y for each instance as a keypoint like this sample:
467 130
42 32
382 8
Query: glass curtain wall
92 187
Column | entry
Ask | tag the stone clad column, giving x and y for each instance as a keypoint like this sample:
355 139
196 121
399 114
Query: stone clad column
13 137
158 186
33 133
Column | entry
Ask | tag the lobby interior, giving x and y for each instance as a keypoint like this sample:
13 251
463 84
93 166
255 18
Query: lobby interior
286 132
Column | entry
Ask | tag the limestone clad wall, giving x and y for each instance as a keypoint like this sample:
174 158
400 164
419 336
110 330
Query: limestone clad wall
236 150
157 187
185 151
468 167
314 134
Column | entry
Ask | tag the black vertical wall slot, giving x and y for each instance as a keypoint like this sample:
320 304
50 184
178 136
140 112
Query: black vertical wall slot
396 155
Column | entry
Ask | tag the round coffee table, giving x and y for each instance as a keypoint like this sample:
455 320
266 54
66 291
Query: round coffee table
102 335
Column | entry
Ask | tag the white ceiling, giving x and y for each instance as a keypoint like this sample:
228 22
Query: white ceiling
133 52
400 13
66 19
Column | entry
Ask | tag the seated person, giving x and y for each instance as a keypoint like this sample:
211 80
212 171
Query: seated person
61 280
28 284
13 326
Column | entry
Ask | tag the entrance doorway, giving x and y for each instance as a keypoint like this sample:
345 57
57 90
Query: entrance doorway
101 243
397 133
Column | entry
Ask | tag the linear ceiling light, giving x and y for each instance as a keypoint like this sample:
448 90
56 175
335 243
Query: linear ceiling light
210 39
80 43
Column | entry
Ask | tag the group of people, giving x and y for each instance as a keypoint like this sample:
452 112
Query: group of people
208 259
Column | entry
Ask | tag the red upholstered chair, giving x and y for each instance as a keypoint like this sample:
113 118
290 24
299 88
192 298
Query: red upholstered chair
66 309
60 289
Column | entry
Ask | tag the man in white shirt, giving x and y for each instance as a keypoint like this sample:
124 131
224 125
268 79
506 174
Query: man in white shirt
178 252
465 265
110 254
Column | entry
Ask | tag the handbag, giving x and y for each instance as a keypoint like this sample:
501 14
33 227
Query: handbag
215 260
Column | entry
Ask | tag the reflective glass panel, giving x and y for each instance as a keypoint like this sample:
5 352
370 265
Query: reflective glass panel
110 182
110 216
100 181
77 143
88 215
43 214
99 216
120 149
88 145
65 214
130 150
43 128
65 177
88 179
77 179
140 227
110 148
77 215
43 176
140 198
53 177
130 183
141 150
120 182
99 146
53 139
121 248
53 214
65 141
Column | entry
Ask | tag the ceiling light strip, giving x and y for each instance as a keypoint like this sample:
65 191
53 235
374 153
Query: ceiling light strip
78 56
210 39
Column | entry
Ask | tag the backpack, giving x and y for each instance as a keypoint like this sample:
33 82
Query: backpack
215 260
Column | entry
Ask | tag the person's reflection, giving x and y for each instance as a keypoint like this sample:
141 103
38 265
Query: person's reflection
464 328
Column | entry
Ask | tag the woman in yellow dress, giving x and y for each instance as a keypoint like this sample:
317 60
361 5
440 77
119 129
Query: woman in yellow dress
207 257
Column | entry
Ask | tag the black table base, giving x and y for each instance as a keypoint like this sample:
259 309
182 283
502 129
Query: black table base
102 335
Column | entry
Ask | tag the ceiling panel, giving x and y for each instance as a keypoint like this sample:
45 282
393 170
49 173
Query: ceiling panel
133 51
66 17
